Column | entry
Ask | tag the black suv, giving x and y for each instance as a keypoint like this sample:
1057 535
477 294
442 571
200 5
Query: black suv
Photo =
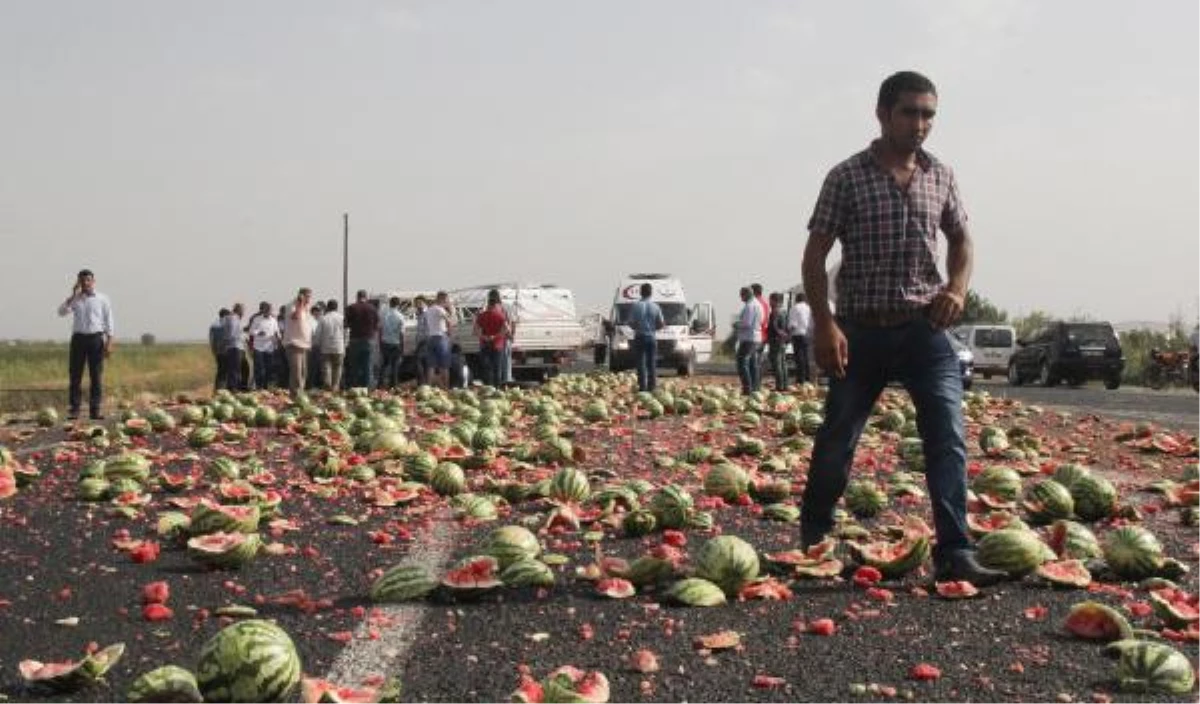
1074 352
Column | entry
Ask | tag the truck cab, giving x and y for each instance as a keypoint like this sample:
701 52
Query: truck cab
685 340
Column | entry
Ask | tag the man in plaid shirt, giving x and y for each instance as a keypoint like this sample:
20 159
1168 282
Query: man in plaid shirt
885 205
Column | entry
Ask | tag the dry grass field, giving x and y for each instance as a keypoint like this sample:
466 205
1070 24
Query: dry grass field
34 374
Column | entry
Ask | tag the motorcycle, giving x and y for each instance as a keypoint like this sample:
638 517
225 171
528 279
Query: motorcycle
1170 368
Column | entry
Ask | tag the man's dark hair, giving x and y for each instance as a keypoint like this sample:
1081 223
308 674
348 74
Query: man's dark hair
744 292
394 301
756 288
331 305
902 82
85 272
646 290
493 296
223 312
776 297
362 294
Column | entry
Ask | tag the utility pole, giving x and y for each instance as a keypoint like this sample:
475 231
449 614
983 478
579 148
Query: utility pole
345 259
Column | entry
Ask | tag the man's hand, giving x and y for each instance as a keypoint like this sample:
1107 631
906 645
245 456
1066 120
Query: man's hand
108 348
946 308
832 350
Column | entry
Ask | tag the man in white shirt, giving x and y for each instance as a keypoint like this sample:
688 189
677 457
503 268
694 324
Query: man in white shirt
437 324
800 323
264 340
749 338
297 341
331 337
91 342
391 344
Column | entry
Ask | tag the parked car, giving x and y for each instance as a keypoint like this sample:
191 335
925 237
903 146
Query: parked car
992 345
1074 352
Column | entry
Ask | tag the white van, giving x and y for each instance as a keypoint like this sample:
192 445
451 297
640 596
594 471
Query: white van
685 340
992 346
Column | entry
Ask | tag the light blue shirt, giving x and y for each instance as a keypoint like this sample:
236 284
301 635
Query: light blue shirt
749 327
392 327
232 338
93 314
645 318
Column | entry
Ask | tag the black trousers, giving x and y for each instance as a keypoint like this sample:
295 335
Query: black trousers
800 355
86 349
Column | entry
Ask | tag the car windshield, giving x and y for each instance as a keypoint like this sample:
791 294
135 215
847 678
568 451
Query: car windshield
673 313
993 337
1089 334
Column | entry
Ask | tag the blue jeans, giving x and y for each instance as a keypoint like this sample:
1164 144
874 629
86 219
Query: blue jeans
358 363
264 369
491 364
747 366
233 368
922 359
389 369
645 347
778 357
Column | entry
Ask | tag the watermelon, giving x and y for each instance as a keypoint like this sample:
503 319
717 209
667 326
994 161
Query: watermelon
248 661
1048 501
615 588
1133 552
1012 550
473 576
1095 497
169 683
224 550
1065 573
893 560
403 583
209 517
1095 621
448 479
998 482
527 572
570 684
864 499
511 543
726 480
727 561
671 506
1071 540
1155 667
1067 474
1175 607
695 591
569 485
69 676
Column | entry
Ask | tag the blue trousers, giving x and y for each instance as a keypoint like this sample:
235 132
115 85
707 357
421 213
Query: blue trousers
645 347
747 366
923 360
358 363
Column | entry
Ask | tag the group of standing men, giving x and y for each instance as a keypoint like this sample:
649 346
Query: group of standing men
307 344
761 322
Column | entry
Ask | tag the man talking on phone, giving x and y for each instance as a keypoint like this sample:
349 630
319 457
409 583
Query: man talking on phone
91 341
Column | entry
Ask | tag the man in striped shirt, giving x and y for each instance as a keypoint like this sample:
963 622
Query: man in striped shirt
885 205
91 342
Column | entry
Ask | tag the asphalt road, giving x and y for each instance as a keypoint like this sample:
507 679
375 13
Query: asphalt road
1174 408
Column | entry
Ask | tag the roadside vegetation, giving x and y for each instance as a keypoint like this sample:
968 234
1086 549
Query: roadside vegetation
34 374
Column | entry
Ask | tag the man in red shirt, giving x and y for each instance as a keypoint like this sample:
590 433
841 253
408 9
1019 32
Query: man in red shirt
493 330
757 289
363 320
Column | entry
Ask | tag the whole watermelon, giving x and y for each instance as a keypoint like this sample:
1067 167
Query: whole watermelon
248 661
1133 552
1012 550
727 561
1095 497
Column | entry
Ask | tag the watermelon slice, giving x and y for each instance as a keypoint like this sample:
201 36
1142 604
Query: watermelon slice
956 590
1094 621
1065 573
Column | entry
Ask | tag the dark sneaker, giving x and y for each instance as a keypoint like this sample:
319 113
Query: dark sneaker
73 415
963 567
97 416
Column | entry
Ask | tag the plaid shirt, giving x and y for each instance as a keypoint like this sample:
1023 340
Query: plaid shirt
888 236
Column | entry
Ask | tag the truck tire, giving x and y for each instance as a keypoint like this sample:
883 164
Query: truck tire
689 368
599 355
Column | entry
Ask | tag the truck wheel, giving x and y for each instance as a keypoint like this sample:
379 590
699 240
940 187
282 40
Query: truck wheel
1046 377
689 368
599 355
1014 375
1112 383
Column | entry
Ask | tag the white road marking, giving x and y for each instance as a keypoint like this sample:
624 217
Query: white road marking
363 657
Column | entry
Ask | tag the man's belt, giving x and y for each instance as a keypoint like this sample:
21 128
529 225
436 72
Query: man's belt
886 319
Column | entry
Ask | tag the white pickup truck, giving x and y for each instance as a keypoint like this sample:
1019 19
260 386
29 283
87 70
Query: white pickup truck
547 333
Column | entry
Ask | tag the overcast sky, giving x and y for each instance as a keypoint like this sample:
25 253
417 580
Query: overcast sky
196 154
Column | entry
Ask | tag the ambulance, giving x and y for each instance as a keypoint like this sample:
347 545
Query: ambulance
686 340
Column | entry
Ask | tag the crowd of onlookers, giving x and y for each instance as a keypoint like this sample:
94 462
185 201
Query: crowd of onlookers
765 325
309 345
